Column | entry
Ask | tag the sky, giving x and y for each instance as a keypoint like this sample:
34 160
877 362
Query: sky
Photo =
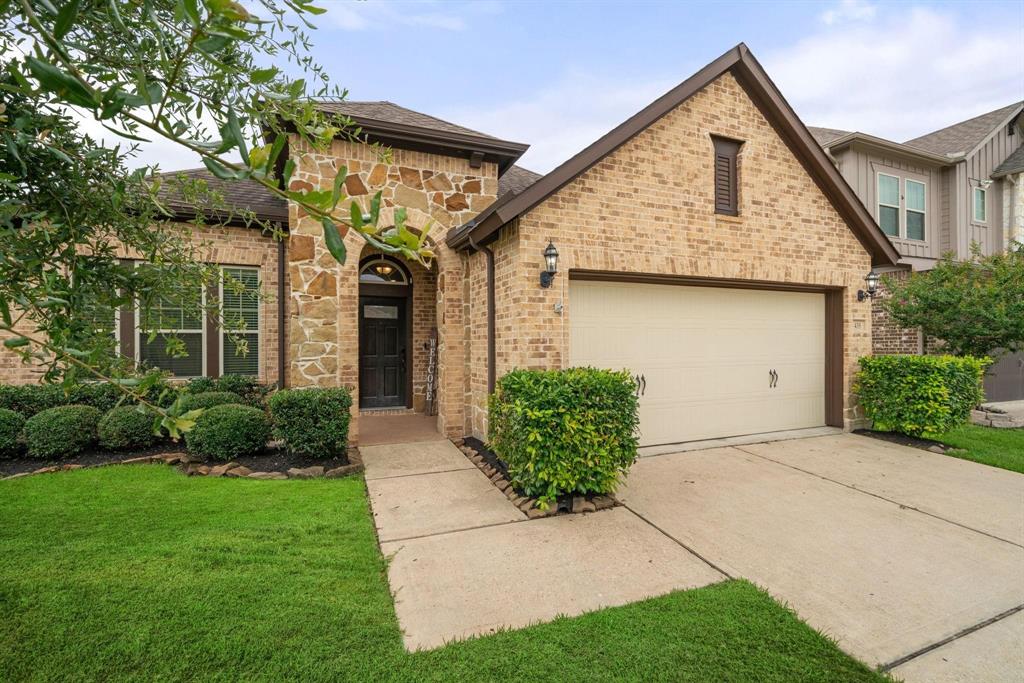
559 74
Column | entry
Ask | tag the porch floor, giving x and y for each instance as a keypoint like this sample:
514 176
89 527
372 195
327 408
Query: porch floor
384 429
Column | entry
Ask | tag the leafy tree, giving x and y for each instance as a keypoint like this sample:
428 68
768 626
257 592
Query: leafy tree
198 74
976 307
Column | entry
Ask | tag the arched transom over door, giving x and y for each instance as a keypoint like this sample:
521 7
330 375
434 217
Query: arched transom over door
385 310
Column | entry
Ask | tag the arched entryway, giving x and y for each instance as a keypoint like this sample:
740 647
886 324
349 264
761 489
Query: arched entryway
385 333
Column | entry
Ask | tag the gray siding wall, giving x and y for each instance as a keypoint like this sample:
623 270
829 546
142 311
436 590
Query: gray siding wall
860 167
979 166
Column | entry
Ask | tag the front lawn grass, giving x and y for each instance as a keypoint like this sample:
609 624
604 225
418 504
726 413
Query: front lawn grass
990 446
136 572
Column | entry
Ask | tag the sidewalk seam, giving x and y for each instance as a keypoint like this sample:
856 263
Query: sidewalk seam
680 543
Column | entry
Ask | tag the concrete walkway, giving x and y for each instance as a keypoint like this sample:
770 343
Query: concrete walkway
911 560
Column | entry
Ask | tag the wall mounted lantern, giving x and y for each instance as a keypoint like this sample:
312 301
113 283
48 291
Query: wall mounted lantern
871 282
547 275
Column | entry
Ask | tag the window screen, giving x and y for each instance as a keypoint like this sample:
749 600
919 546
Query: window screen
889 204
915 210
241 321
179 317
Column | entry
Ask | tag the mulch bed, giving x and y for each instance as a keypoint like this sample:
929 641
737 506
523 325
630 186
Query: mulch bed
905 440
271 460
496 470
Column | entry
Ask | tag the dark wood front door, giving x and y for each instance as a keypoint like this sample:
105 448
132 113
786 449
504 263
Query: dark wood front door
382 352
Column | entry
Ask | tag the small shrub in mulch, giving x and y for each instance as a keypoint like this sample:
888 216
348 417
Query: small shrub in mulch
11 424
61 432
209 399
225 432
313 421
251 392
127 428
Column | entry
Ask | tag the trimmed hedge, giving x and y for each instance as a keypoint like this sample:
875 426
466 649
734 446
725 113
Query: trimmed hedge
125 427
565 431
228 431
248 388
11 424
61 432
918 395
209 399
313 421
29 399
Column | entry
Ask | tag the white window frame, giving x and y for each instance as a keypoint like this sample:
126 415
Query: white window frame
984 205
878 201
259 320
923 212
382 259
202 330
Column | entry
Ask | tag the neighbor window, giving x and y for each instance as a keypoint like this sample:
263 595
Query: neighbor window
176 327
889 204
726 176
240 311
980 209
915 209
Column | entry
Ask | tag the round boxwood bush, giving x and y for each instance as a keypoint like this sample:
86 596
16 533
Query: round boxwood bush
125 428
61 432
11 424
228 431
313 421
209 399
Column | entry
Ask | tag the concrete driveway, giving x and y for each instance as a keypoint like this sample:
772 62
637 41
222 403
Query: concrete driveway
912 561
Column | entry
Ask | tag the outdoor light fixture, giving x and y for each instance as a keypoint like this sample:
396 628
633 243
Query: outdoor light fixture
982 183
871 281
547 275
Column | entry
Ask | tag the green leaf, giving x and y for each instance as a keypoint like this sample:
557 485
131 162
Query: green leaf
339 180
67 87
357 216
261 76
335 244
236 131
15 342
375 209
223 172
213 44
191 11
66 18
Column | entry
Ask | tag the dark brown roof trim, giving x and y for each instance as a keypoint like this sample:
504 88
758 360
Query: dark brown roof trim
766 96
404 136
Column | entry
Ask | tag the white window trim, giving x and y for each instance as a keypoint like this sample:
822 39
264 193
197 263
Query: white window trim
923 212
879 203
202 330
974 205
259 320
382 259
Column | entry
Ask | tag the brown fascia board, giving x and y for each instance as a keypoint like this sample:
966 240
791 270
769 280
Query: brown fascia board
404 136
889 146
769 100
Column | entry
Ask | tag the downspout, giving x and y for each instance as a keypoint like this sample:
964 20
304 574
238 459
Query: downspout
282 357
491 356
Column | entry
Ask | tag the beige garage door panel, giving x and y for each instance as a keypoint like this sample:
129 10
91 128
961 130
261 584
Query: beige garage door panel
706 354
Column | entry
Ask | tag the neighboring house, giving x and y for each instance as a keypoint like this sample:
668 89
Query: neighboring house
939 193
707 244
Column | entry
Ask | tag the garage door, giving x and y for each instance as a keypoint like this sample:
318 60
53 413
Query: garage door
716 361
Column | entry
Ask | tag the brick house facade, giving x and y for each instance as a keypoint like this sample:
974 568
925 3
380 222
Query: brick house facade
640 203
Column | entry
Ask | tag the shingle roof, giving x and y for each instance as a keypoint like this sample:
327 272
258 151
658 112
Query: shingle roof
963 137
1011 164
826 135
515 180
238 195
390 112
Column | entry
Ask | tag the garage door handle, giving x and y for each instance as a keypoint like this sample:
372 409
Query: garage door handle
643 382
773 379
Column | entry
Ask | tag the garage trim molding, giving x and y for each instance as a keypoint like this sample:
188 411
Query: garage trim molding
833 318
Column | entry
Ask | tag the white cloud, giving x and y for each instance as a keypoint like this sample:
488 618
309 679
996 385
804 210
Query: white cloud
848 10
362 16
903 74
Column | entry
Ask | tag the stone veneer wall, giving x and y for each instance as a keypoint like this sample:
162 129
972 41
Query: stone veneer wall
229 246
1013 209
324 348
648 208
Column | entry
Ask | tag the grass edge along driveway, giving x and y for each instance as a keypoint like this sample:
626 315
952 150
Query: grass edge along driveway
137 572
1003 448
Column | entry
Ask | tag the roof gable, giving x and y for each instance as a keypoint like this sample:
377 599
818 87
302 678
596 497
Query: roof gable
751 76
961 139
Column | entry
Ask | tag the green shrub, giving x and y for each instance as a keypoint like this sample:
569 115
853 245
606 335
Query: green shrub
126 428
29 399
61 432
918 395
565 431
228 431
209 399
100 395
248 388
313 421
11 424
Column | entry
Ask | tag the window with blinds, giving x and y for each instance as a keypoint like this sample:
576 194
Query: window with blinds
240 314
726 176
171 334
